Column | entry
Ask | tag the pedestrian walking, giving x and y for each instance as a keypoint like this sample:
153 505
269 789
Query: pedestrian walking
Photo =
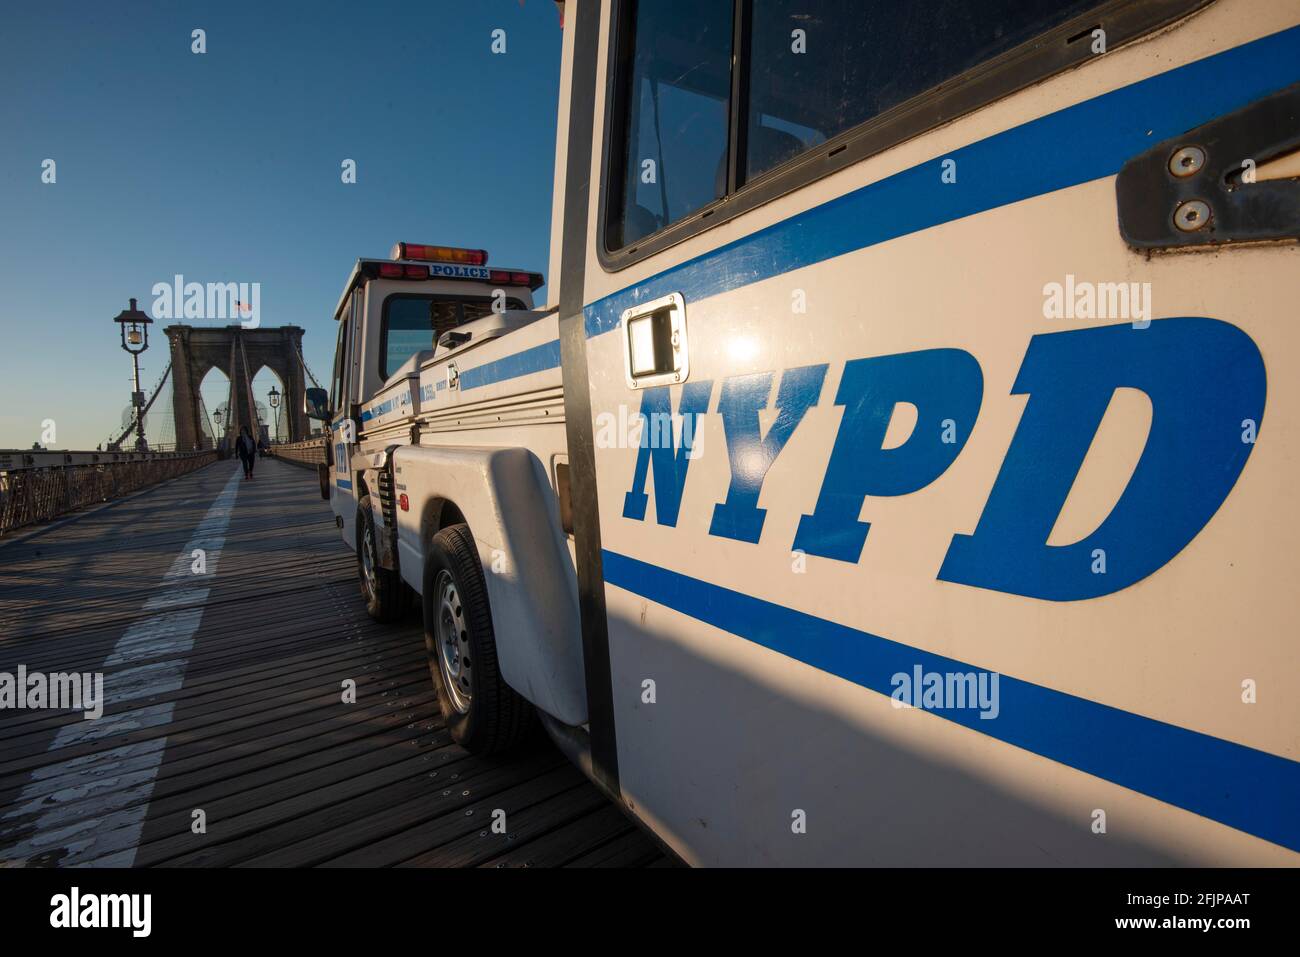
246 448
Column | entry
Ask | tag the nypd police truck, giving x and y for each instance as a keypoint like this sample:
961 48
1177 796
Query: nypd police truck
903 469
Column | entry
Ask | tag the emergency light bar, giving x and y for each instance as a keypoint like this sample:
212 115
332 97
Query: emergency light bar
440 254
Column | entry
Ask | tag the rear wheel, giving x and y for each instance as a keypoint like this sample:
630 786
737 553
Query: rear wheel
382 588
483 713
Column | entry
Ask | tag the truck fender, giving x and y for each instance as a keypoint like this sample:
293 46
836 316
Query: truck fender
513 516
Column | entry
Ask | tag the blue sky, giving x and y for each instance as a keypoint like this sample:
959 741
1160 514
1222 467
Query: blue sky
225 166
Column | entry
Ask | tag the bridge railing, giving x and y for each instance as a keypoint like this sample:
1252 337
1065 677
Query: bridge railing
310 453
37 486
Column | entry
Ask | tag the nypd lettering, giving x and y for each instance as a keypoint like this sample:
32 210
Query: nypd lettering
1204 377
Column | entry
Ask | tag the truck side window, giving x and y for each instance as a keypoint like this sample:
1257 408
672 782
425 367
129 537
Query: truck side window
820 67
689 123
340 360
405 329
674 96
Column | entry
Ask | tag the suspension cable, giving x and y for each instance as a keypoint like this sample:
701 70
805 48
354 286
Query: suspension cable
157 389
248 385
306 368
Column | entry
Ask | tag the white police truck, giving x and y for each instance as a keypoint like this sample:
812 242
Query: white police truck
889 480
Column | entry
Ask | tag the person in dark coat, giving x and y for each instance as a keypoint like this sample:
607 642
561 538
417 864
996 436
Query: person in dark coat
246 448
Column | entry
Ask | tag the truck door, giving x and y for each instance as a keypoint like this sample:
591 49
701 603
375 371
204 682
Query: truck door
922 512
343 427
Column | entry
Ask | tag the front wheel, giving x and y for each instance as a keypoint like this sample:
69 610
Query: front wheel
382 588
483 713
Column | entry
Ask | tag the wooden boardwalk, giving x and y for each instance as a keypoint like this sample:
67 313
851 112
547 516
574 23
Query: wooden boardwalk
224 690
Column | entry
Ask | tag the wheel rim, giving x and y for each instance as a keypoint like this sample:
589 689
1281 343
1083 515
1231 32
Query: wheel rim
452 634
368 563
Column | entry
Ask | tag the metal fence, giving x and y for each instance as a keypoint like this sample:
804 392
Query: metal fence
38 486
310 453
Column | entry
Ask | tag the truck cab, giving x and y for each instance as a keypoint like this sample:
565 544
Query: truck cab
394 318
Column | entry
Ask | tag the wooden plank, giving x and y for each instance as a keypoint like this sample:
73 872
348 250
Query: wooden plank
526 823
560 846
631 849
463 811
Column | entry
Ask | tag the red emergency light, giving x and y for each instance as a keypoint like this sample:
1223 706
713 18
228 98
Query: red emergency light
402 271
509 278
440 254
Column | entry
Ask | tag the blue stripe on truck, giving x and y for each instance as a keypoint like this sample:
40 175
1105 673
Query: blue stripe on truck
379 410
1247 789
537 359
1075 145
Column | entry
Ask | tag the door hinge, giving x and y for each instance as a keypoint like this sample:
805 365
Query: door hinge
1200 189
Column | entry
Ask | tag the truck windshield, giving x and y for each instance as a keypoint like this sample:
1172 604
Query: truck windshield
412 323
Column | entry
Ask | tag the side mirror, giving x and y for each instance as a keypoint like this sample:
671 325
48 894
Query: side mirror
317 404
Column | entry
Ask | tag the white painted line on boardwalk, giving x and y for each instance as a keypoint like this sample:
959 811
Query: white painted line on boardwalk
120 782
161 634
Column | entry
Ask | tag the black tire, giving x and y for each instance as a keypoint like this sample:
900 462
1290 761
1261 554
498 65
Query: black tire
323 473
492 717
385 595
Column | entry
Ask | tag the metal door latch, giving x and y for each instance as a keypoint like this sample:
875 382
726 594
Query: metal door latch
654 342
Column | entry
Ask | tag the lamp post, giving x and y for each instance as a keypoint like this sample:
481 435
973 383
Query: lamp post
135 339
274 398
216 431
